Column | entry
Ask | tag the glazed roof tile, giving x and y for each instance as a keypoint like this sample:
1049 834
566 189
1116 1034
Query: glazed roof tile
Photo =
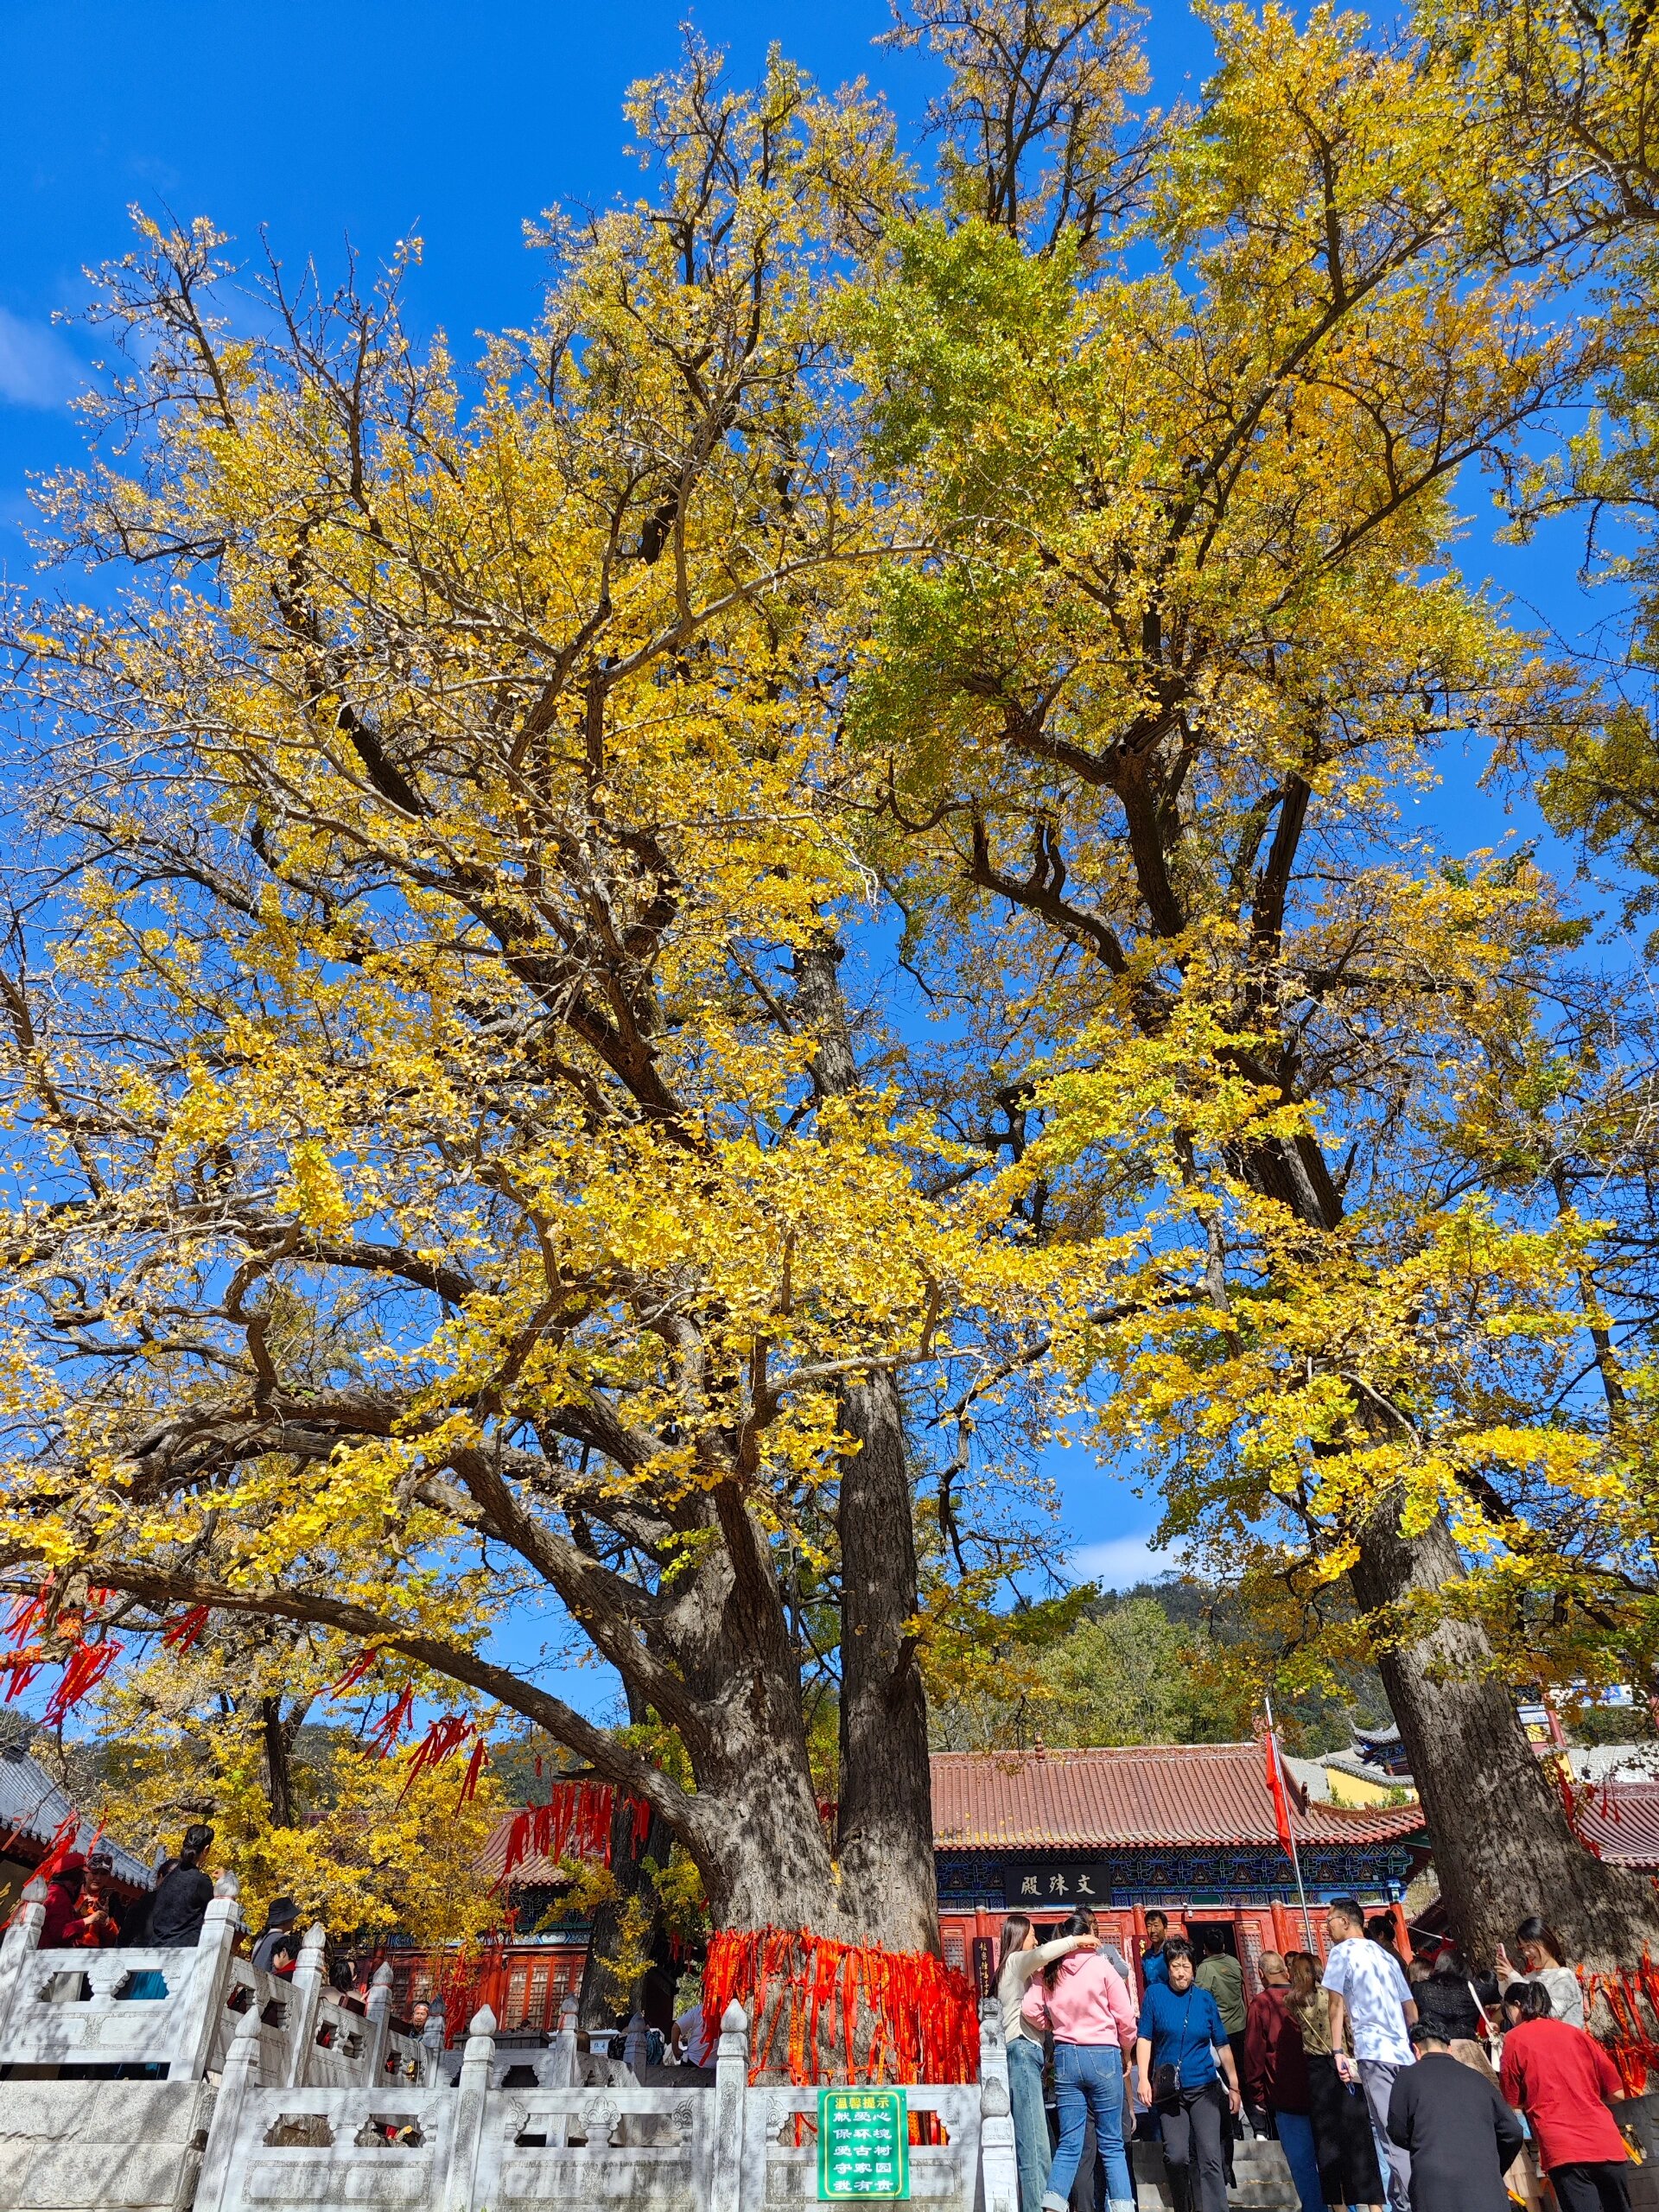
1146 1795
1622 1822
33 1808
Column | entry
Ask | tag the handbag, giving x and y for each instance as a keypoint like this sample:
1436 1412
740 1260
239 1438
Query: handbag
1167 2076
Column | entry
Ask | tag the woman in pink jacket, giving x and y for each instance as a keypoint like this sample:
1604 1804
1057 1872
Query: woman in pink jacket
1084 2001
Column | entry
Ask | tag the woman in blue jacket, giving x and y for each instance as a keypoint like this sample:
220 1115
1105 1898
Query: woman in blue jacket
1184 2072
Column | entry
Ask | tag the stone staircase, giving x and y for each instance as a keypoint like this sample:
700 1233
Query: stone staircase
1262 2179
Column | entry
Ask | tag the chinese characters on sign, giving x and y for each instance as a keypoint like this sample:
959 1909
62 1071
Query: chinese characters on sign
1027 1887
985 1966
863 2144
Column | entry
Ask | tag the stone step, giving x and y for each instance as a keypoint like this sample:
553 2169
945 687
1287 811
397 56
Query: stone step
1261 2178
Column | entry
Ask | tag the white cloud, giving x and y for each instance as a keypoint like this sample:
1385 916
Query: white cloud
1120 1561
37 367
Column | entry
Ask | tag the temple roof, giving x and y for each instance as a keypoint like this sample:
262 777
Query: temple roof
1389 1733
1621 1822
1145 1795
32 1810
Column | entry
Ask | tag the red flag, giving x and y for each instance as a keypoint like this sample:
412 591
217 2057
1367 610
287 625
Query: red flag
1280 1799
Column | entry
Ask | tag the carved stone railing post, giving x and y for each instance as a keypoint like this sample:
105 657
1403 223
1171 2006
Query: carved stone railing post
563 2067
377 2015
634 2047
241 2074
311 1972
18 1945
998 2164
731 2090
993 2049
472 2098
209 1984
432 2036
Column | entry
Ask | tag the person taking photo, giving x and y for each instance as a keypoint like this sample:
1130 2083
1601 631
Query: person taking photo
1084 2002
1022 1956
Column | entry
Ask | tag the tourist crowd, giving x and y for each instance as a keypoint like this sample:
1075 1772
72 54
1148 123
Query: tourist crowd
1413 2085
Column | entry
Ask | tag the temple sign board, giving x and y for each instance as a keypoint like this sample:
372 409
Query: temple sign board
1043 1886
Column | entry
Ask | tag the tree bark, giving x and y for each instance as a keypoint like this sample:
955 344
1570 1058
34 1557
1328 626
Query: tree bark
765 1852
1503 1847
885 1820
279 1771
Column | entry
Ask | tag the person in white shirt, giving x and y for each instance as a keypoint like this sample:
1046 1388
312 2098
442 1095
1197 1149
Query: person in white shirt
1365 1988
693 2046
1544 1953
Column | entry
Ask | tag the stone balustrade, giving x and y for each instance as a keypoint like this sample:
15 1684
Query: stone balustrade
483 2145
113 2105
172 2014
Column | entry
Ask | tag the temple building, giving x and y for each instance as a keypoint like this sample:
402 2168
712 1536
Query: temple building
35 1812
1188 1827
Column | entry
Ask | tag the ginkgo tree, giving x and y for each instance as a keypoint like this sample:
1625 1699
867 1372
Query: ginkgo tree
1158 707
468 1152
433 925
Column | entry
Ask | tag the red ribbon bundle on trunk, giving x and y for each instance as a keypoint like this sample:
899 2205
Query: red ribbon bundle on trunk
1632 2048
923 2022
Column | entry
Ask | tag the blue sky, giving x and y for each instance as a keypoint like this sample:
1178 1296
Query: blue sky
370 121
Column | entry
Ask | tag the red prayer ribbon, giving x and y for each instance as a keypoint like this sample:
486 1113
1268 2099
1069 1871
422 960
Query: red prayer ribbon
923 2015
575 1822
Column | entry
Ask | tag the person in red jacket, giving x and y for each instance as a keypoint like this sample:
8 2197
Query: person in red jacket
62 1925
1564 2081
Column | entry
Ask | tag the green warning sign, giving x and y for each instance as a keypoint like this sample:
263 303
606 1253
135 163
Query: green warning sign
863 2144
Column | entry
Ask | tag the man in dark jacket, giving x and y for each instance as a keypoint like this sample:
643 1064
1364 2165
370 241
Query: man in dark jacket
1462 2137
182 1900
277 1950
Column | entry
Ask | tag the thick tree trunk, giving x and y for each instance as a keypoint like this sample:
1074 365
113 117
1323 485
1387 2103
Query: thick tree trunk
884 1872
765 1854
1503 1847
885 1823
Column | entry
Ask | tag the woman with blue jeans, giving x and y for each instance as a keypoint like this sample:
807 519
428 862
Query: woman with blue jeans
1084 2002
1275 2077
1023 1956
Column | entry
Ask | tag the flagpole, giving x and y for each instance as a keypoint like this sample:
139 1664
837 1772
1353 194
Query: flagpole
1290 1827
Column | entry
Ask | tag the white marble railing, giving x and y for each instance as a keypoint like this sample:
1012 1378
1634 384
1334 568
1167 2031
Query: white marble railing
180 2010
478 2146
322 2105
139 2007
